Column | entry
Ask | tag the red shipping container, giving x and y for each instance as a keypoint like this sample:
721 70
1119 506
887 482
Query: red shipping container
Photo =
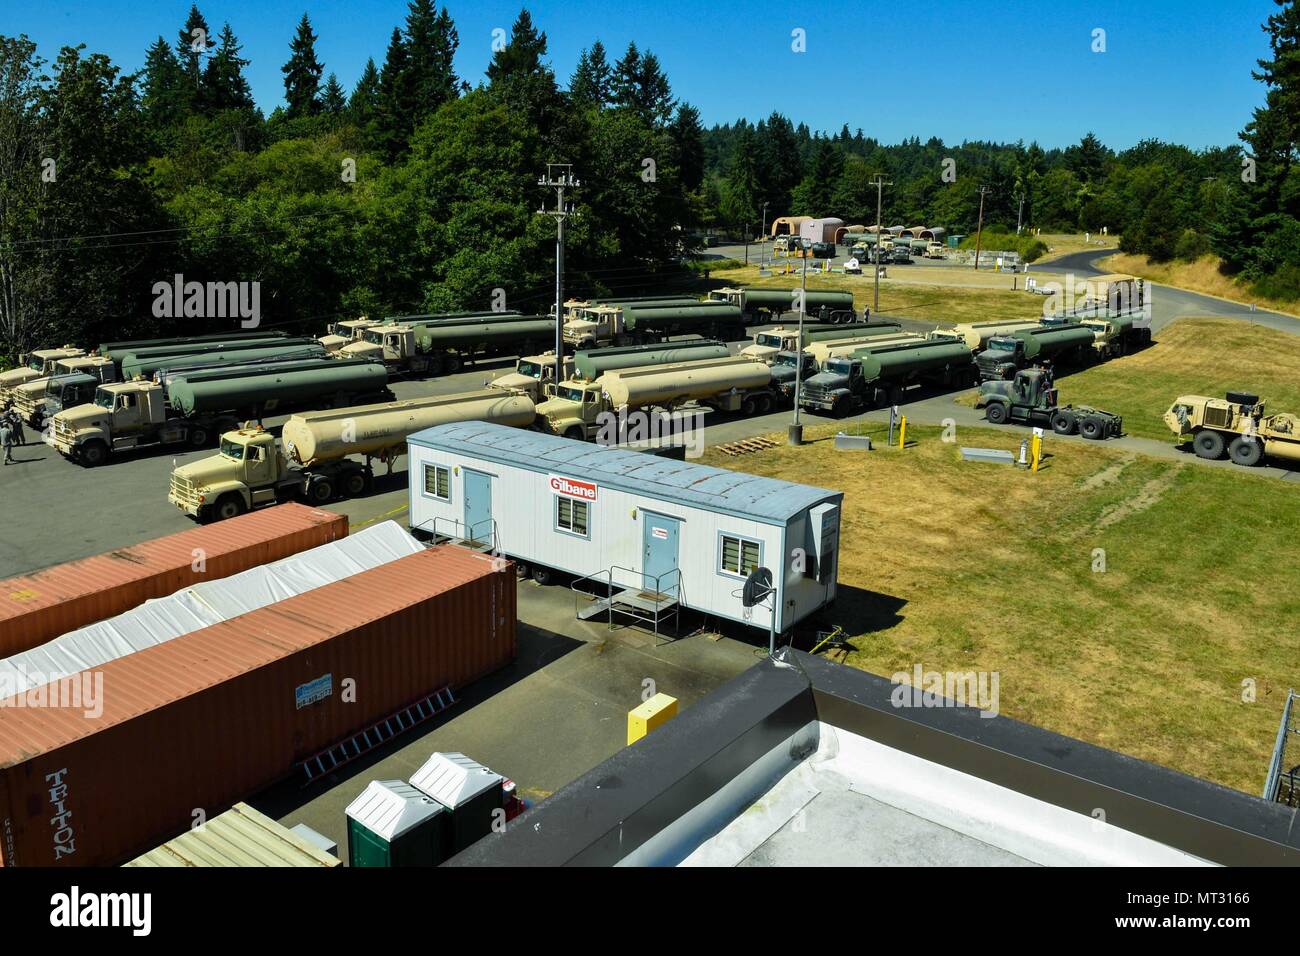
38 607
192 726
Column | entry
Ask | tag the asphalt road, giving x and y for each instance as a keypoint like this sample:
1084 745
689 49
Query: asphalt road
52 510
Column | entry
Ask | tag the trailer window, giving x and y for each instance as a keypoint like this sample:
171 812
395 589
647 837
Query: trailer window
740 556
570 515
437 482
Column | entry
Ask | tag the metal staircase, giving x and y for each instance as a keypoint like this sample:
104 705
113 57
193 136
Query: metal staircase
651 601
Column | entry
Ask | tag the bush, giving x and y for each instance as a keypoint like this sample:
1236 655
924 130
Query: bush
1283 284
1191 245
1028 247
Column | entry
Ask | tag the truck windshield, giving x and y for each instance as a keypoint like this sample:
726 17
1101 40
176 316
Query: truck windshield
104 398
374 338
839 366
1003 345
771 341
569 394
531 369
787 359
37 364
232 449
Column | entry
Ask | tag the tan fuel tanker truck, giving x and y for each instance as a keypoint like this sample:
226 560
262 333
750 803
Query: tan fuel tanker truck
977 334
580 409
39 364
317 463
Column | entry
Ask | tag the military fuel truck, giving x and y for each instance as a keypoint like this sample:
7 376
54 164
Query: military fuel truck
1111 337
317 463
758 304
639 324
578 408
195 408
41 363
32 400
573 307
117 351
1060 345
532 374
815 356
977 334
786 338
1235 424
1031 399
875 376
442 347
145 363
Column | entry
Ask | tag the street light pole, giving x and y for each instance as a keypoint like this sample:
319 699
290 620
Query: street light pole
559 176
880 185
795 437
979 229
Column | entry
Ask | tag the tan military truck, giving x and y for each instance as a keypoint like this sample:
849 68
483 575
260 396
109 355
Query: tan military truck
1235 424
532 374
39 364
346 332
32 399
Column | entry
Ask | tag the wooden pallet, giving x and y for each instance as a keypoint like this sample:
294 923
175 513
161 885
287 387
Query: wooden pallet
745 446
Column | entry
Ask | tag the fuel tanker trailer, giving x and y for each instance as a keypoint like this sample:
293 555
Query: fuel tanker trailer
823 305
1062 344
612 325
148 362
977 334
876 376
315 460
593 363
444 346
785 338
194 408
580 409
786 367
116 351
573 306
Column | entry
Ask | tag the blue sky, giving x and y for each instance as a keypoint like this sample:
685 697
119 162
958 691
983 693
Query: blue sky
1178 70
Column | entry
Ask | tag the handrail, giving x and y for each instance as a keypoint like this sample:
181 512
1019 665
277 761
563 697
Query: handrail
1279 750
459 528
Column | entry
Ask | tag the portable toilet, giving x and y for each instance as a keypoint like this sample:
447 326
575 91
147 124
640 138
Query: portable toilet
393 824
470 791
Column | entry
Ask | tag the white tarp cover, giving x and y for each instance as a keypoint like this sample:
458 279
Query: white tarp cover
161 619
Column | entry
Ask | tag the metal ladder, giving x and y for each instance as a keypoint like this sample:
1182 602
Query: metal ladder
376 735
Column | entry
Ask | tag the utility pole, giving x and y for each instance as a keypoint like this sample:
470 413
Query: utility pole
1020 208
559 176
984 190
795 437
762 238
880 185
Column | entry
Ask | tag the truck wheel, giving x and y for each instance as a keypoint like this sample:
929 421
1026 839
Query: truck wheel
996 413
748 406
227 506
93 453
1063 423
764 404
1092 429
320 491
575 432
198 436
843 405
354 484
1246 451
451 365
1208 444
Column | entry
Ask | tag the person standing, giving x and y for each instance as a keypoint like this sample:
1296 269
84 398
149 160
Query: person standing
7 438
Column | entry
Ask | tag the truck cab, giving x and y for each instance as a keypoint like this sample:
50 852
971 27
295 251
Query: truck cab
532 375
246 471
785 369
39 364
1031 398
122 415
935 250
837 388
572 409
1001 357
595 324
32 399
767 345
729 295
343 333
390 343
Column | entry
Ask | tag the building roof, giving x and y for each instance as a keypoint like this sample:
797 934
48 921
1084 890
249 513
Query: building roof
390 808
239 837
732 492
454 779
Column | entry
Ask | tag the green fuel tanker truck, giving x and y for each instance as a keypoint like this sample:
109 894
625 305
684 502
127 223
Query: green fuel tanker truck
614 325
192 409
444 346
785 338
145 362
116 351
872 377
1007 354
318 461
758 302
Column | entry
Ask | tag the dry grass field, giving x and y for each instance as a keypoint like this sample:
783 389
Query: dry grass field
1203 275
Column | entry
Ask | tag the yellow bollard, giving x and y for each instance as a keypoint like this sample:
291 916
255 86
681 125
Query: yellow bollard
1036 451
659 709
902 431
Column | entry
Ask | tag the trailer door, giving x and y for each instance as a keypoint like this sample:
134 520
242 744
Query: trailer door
659 558
478 507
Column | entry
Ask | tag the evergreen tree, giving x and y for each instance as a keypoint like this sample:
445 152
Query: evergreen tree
431 42
592 81
192 46
302 73
333 102
627 77
641 86
393 127
225 87
363 105
163 96
688 143
520 77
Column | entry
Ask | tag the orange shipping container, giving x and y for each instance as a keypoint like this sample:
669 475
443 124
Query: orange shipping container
211 718
38 607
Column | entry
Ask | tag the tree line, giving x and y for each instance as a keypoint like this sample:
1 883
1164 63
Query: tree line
413 191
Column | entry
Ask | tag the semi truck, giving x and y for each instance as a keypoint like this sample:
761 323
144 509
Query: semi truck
315 460
614 325
203 403
759 303
1031 398
786 367
977 334
876 376
783 338
41 363
444 346
1112 337
532 375
578 409
32 400
574 307
1061 345
535 374
1235 424
116 351
144 363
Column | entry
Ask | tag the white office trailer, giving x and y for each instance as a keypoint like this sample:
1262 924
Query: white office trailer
657 532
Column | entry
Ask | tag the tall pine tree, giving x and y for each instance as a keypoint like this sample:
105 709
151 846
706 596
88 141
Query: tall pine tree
592 81
194 44
302 73
225 87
